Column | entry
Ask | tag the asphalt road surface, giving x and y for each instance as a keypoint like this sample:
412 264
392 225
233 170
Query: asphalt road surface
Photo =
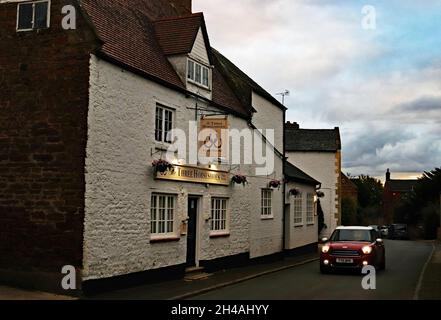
404 263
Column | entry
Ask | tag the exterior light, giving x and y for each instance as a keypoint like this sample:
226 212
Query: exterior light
367 249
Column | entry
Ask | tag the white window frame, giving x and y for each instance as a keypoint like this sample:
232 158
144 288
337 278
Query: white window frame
164 109
266 211
310 209
155 212
216 216
48 18
297 204
193 78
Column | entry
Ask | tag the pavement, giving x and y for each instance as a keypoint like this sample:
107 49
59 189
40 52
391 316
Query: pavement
182 289
413 272
9 293
430 288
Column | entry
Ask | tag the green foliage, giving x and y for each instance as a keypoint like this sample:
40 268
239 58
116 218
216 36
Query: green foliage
370 191
430 215
370 196
348 211
422 204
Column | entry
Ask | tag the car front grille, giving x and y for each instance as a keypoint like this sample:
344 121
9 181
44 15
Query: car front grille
345 253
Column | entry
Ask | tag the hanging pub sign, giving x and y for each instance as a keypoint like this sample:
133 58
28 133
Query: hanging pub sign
214 138
195 174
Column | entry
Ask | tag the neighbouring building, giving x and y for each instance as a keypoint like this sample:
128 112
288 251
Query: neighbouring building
394 190
300 208
349 200
348 188
84 114
317 152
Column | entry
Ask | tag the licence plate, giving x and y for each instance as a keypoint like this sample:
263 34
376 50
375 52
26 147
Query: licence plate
341 260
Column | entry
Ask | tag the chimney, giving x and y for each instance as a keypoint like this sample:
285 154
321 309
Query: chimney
292 126
388 175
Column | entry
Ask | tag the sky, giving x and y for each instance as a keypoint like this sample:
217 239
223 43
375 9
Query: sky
372 68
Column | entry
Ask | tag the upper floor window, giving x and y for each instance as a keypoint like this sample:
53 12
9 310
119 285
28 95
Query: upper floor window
33 15
198 73
163 124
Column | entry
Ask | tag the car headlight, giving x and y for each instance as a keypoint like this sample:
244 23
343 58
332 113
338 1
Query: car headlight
367 249
325 249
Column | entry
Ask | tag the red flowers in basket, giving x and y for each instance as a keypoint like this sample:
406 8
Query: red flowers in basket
274 184
294 192
162 165
240 179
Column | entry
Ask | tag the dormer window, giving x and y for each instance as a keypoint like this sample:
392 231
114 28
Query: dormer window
198 74
33 15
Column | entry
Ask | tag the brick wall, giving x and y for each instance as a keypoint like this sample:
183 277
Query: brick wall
44 80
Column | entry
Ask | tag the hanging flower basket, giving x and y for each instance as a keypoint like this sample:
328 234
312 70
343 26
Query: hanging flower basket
274 184
162 165
320 194
294 191
239 179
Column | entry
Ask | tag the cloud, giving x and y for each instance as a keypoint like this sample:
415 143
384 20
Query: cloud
422 104
381 87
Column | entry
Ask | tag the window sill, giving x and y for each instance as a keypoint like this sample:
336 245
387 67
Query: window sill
165 239
162 146
298 226
197 84
220 235
267 218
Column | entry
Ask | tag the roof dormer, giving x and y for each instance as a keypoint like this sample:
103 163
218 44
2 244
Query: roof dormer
184 40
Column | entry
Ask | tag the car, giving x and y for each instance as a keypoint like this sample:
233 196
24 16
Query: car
352 248
377 229
384 230
399 231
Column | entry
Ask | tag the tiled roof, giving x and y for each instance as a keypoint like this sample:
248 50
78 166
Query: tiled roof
139 34
401 185
312 140
295 174
128 37
177 35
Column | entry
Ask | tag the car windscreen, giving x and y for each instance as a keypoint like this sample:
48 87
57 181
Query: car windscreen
352 235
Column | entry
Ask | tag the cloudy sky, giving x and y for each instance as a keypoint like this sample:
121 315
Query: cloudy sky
381 86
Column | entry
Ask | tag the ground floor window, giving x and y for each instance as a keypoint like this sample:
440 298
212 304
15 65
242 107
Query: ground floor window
266 199
310 208
219 215
162 214
298 212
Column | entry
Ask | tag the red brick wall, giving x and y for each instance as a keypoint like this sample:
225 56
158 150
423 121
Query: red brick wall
43 129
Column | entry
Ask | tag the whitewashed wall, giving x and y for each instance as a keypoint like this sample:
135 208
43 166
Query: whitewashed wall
322 167
299 236
267 116
119 184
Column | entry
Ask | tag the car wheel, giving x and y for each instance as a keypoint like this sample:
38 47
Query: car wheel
324 270
383 263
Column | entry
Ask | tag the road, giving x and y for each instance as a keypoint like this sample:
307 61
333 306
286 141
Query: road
405 262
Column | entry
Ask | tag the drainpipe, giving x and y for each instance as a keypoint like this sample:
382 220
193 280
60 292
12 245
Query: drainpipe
284 185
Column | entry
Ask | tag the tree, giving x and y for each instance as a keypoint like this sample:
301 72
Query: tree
370 195
421 206
348 211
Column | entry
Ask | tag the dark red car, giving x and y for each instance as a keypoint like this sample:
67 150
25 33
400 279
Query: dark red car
352 248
